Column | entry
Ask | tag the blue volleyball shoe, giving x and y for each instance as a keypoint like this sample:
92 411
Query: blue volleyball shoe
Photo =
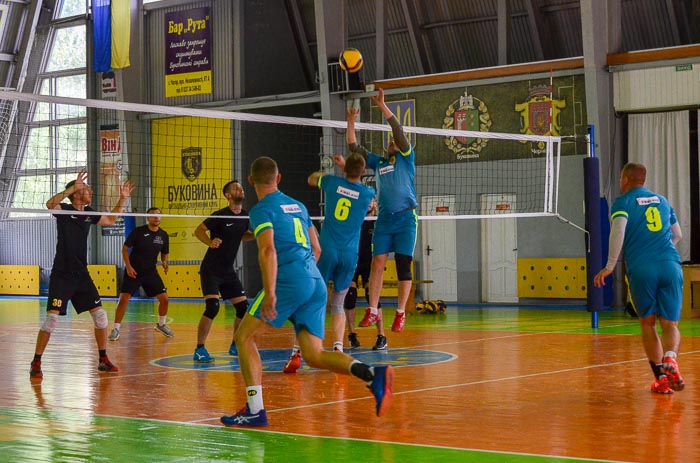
382 388
244 419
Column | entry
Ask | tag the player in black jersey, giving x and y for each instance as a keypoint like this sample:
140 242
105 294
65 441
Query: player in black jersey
145 242
217 275
70 280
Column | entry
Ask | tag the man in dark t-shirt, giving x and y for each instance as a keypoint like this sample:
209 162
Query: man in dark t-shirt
226 229
145 243
70 280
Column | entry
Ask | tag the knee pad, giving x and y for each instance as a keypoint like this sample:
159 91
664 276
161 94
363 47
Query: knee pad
99 318
241 308
337 299
212 308
403 267
350 299
50 323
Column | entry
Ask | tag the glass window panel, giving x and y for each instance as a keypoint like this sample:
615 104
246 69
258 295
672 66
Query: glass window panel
41 110
73 87
38 149
70 8
68 51
72 146
33 192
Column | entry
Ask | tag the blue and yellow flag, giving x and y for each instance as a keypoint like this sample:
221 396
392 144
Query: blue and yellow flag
111 34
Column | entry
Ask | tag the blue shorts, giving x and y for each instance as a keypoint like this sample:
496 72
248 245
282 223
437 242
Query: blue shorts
395 233
302 302
657 289
337 265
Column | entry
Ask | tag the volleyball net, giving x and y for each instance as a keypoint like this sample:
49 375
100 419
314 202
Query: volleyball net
180 158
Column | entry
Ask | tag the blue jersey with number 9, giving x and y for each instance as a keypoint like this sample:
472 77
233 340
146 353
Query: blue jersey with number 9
648 232
290 222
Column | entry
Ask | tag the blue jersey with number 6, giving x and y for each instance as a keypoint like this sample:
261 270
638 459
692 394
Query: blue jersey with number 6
648 232
290 222
346 207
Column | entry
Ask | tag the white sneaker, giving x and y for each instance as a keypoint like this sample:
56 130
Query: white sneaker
165 330
113 335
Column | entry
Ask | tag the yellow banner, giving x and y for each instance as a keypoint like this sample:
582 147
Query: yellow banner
121 33
189 83
192 161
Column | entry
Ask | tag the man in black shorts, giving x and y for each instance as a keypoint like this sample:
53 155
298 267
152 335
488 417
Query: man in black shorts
226 231
145 242
364 266
70 280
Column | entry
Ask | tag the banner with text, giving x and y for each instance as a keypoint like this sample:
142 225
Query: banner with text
188 176
188 52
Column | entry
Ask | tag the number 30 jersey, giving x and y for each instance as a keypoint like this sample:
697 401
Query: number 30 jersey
346 207
290 222
648 233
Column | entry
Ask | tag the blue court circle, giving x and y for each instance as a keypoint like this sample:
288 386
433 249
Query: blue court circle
273 360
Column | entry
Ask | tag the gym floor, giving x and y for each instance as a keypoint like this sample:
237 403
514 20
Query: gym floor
483 383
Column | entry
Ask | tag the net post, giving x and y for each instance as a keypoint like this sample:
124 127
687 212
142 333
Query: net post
594 261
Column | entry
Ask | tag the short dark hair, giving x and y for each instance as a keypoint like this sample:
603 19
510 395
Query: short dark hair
68 185
228 185
264 171
354 165
637 173
151 209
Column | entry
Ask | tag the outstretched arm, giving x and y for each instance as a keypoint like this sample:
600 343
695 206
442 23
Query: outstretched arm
350 135
399 136
124 194
55 200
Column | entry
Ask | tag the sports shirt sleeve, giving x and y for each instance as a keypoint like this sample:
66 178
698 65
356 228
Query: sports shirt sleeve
260 220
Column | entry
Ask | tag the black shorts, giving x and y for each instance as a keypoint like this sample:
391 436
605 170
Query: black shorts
150 280
227 284
77 288
363 270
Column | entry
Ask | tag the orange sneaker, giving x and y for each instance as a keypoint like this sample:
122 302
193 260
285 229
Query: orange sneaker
293 364
369 318
399 322
670 368
661 386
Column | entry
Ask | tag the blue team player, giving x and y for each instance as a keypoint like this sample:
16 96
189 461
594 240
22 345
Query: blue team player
293 290
645 227
347 200
395 230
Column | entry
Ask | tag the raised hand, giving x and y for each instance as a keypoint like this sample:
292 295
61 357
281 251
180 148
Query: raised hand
126 189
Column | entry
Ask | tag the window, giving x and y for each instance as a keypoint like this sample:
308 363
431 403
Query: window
55 139
68 8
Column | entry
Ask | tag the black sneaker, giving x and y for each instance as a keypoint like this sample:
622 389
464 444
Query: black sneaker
354 342
380 344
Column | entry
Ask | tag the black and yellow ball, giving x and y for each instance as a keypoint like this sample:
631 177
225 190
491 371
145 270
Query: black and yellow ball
351 60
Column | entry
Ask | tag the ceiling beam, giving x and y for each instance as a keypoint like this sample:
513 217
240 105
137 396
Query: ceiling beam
537 29
411 14
302 44
671 10
503 28
381 42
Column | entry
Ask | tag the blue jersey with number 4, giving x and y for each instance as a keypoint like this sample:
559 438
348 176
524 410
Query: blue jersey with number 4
648 232
346 207
290 222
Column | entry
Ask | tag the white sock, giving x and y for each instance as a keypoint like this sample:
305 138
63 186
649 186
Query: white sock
400 310
338 345
296 349
117 326
670 353
373 310
255 398
161 319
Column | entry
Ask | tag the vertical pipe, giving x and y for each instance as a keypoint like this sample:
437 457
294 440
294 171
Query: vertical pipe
594 261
